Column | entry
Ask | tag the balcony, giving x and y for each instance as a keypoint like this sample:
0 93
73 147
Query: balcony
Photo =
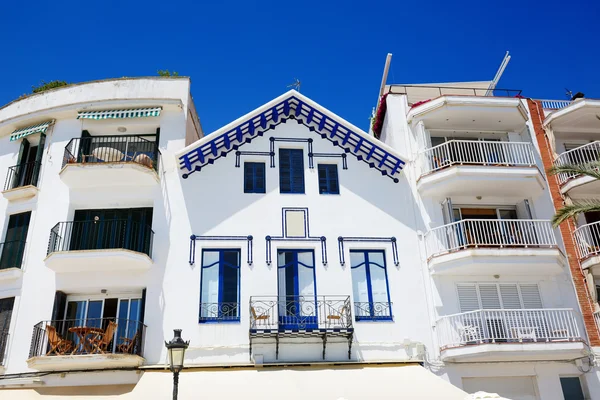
454 108
587 240
490 246
578 186
577 116
219 312
301 317
86 344
492 168
21 181
100 246
11 259
110 161
510 335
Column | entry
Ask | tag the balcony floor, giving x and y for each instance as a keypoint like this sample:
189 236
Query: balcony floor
461 180
108 174
98 260
582 187
505 260
19 193
85 361
556 350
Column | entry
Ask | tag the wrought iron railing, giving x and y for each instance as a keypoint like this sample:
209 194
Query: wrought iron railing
113 149
300 312
373 311
587 239
215 312
477 152
3 345
555 104
101 234
87 336
580 156
22 175
11 254
502 326
491 233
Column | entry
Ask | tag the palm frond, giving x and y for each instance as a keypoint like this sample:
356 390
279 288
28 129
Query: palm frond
588 169
573 210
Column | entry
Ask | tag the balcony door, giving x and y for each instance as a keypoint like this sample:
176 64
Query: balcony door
14 242
297 290
122 228
6 307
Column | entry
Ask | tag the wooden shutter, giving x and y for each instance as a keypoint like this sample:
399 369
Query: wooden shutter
510 296
248 177
143 306
259 178
467 297
488 292
285 168
60 303
297 162
530 294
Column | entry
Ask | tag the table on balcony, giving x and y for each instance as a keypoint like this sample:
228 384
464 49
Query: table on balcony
87 335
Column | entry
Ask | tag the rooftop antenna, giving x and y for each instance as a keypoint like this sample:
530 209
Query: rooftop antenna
295 85
499 73
568 93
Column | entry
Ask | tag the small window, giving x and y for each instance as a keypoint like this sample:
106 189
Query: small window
291 171
370 285
328 179
571 388
220 287
254 177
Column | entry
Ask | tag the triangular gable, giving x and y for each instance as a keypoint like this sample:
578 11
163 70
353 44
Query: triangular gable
295 106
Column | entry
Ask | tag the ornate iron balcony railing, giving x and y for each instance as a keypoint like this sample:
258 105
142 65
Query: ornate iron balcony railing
87 336
502 326
373 311
217 312
102 234
113 149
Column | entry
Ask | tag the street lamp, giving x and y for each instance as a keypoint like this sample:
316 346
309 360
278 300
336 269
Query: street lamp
176 348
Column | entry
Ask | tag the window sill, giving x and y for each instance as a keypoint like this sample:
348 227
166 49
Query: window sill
218 321
374 319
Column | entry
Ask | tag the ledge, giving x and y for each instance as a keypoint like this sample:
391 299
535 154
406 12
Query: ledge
10 274
97 260
538 351
108 174
22 192
85 361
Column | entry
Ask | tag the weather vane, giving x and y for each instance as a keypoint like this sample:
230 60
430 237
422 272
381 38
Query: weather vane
295 85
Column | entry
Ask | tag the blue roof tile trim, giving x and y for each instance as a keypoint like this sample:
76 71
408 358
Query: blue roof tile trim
363 149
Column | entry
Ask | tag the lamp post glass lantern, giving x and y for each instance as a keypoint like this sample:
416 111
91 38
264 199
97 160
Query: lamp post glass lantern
176 348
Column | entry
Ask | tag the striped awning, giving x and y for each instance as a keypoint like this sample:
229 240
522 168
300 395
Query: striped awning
114 114
30 130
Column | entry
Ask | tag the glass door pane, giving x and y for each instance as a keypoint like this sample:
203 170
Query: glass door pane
297 302
94 314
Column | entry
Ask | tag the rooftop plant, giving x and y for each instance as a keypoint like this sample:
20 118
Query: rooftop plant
43 86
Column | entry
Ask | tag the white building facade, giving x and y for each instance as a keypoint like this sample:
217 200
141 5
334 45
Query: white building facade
298 254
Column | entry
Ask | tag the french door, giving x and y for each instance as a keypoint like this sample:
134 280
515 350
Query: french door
296 289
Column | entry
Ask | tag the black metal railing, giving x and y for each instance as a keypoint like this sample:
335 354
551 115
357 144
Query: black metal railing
22 175
3 345
215 312
100 235
373 311
113 149
11 254
300 312
87 336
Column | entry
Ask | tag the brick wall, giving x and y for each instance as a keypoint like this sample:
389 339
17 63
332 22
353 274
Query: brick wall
567 227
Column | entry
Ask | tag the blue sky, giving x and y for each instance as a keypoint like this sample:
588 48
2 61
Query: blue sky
241 54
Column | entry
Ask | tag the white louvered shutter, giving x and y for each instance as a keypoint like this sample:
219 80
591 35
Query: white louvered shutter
489 296
530 293
510 296
467 297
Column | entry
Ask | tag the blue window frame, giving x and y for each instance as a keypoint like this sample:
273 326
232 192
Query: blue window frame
254 177
297 289
220 285
328 179
291 171
370 287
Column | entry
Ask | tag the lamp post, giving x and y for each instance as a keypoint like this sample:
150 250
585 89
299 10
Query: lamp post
176 348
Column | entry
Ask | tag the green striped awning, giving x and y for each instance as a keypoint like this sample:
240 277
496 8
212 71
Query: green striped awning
114 114
30 130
